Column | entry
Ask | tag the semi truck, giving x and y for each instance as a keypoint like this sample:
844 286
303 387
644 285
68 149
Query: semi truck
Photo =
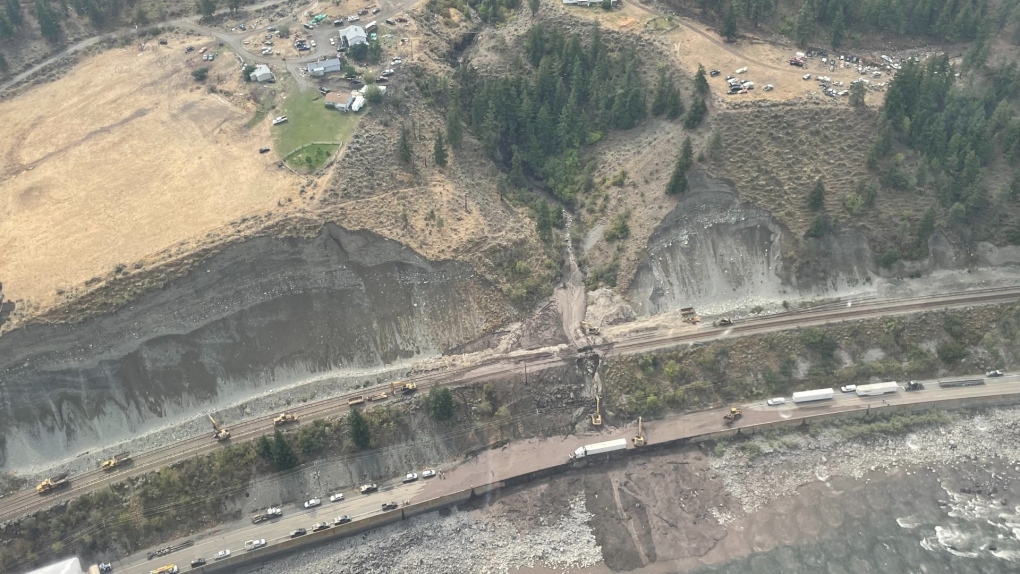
961 383
53 483
599 448
813 395
876 389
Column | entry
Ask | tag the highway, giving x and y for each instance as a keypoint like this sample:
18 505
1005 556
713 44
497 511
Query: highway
499 367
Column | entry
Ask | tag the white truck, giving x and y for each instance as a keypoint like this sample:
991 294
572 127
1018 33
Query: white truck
599 448
876 389
813 395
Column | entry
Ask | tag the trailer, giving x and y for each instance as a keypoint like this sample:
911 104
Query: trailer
813 395
599 448
876 389
961 383
52 483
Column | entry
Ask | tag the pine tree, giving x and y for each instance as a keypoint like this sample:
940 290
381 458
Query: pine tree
404 146
678 179
534 5
454 131
661 94
674 106
516 170
49 25
439 150
816 199
696 114
802 26
283 455
687 152
729 25
838 29
857 94
700 81
360 432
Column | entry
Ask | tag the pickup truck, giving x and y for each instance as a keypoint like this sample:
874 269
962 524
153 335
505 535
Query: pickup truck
253 544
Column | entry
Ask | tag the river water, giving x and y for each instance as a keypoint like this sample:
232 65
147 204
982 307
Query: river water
956 519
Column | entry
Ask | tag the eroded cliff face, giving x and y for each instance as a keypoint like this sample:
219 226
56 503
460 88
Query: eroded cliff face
714 252
258 316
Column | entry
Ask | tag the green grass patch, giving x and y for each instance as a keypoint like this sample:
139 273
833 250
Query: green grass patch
311 157
309 121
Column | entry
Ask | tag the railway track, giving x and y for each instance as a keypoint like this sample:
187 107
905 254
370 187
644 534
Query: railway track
28 501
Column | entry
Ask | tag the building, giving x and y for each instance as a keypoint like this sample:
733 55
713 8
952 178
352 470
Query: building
340 101
353 35
325 67
262 73
69 566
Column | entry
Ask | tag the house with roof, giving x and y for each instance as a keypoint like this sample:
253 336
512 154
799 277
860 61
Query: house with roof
262 73
353 35
324 67
339 101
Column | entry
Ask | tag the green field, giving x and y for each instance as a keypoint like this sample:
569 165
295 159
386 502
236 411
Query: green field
309 121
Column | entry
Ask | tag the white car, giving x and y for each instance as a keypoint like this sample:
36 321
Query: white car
336 497
396 62
428 473
222 554
279 120
253 544
807 76
353 18
995 373
411 477
387 73
776 402
848 389
313 503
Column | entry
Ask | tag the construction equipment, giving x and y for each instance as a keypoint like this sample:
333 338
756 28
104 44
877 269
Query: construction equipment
589 329
405 389
378 397
53 483
639 439
168 569
355 400
723 322
285 418
688 315
112 463
732 416
596 417
219 433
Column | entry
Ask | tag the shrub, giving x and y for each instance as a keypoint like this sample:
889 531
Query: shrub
200 74
440 404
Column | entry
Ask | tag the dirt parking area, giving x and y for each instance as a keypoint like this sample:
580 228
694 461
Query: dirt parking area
124 156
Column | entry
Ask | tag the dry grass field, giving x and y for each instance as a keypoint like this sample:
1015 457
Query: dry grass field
123 157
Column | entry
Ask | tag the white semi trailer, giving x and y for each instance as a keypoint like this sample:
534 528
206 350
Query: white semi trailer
599 448
877 389
812 395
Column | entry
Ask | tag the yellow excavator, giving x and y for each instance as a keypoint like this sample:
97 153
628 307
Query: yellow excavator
118 460
639 439
284 418
596 417
732 416
219 433
403 389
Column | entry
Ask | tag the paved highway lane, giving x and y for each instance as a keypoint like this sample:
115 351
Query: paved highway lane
232 537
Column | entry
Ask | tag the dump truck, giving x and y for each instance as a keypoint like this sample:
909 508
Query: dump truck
732 416
723 322
813 395
876 389
219 433
378 397
118 460
599 448
688 315
284 418
168 569
52 483
355 400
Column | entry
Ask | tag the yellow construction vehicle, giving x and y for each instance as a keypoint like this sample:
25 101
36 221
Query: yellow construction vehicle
219 433
732 416
689 315
378 397
118 460
639 439
589 329
407 388
51 484
723 322
284 418
355 400
596 417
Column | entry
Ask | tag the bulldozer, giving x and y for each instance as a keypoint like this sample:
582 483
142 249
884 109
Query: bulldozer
589 329
118 460
219 433
639 438
284 418
732 416
405 389
596 417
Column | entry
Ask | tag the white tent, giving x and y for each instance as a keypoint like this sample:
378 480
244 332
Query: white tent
69 566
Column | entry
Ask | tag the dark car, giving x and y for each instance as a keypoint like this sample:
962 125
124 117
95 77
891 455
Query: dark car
320 526
714 73
390 22
344 519
376 10
389 506
263 150
356 83
298 532
198 562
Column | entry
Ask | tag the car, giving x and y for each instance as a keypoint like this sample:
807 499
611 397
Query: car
848 389
298 532
336 497
320 526
428 473
362 12
995 373
776 402
246 42
338 22
376 10
411 477
367 488
324 91
389 506
313 503
356 83
106 566
387 73
353 18
189 49
254 544
162 42
222 554
198 562
382 80
714 73
342 519
402 20
390 22
279 120
263 150
806 76
396 61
